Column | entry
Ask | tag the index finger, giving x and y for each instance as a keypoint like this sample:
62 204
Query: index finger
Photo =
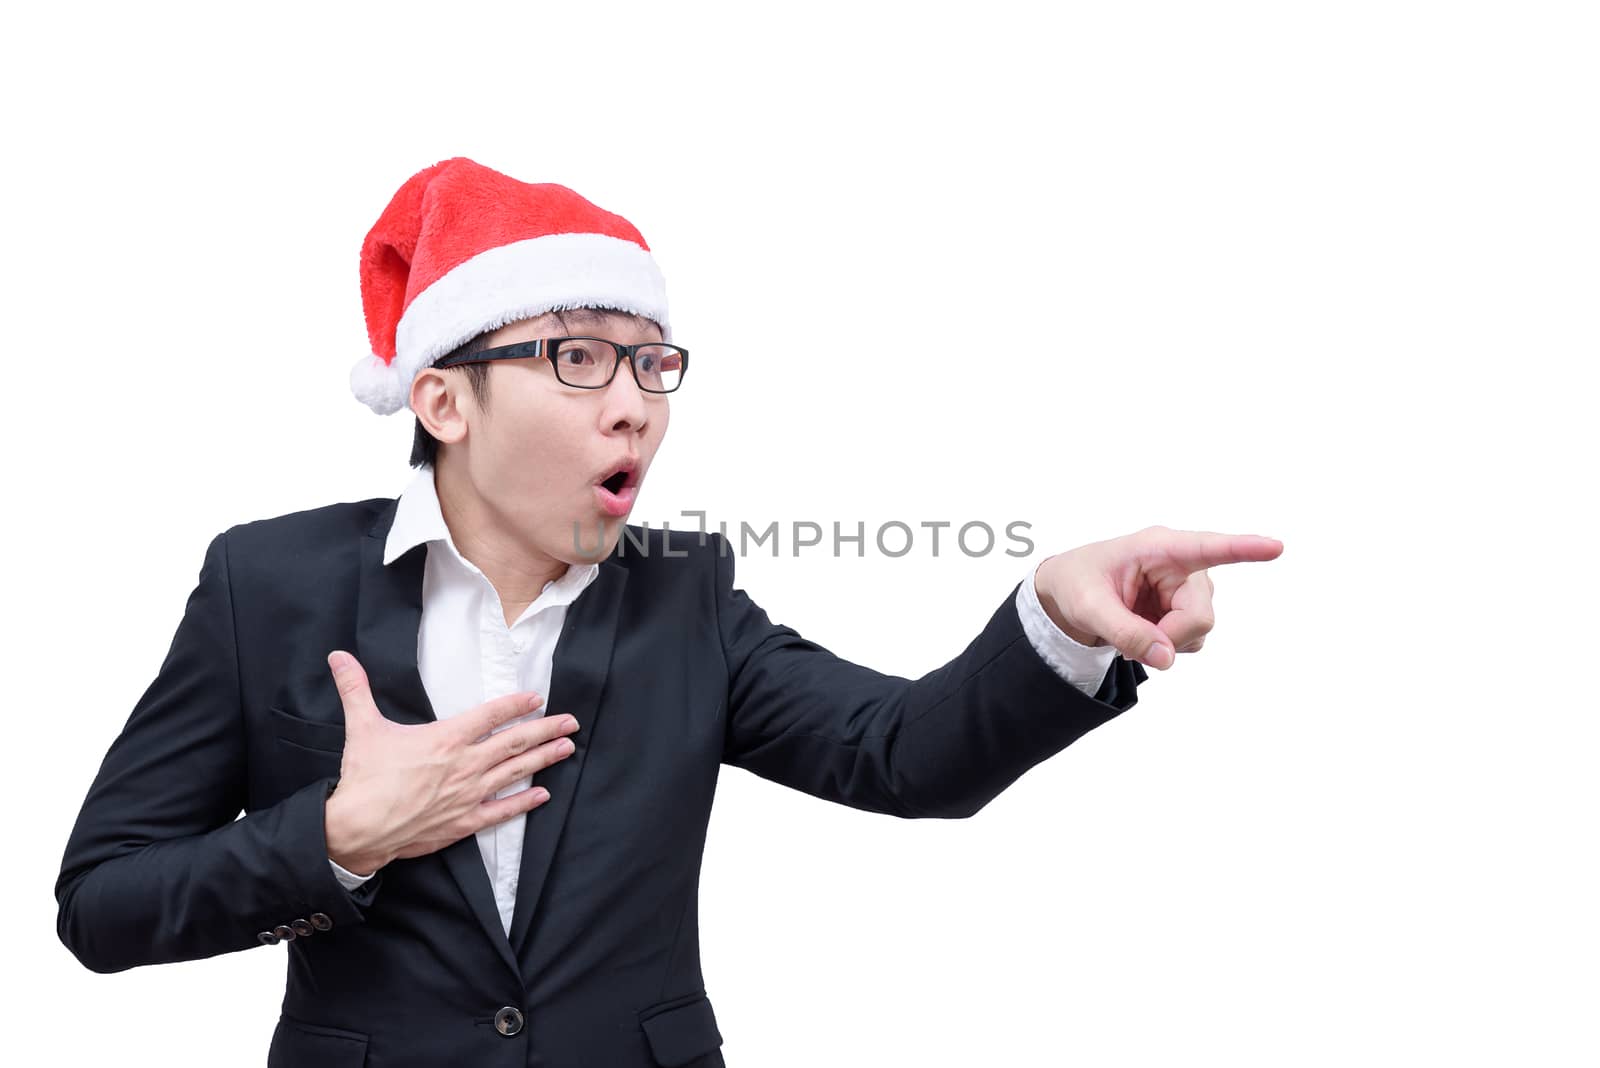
480 722
1196 550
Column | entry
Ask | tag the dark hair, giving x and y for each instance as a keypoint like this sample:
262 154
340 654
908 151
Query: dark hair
424 446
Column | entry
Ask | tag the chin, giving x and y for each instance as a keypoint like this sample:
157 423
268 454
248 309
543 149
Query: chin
593 539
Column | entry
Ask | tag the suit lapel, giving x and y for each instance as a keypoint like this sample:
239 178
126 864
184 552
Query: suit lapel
578 675
388 615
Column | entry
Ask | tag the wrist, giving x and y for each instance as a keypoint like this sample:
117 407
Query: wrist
1081 637
347 846
1045 592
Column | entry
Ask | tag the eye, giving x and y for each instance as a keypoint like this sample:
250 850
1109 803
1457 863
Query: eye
579 354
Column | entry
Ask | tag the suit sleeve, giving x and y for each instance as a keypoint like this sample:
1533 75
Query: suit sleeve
159 866
943 745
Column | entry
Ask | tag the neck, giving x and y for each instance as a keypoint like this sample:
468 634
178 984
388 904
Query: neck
516 568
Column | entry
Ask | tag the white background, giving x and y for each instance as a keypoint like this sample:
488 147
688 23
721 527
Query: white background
1321 272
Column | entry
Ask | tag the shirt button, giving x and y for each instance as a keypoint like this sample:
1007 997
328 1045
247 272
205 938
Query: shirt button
508 1021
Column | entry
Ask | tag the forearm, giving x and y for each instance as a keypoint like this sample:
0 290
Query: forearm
970 729
199 896
940 746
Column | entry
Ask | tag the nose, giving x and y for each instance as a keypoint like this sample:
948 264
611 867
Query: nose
625 405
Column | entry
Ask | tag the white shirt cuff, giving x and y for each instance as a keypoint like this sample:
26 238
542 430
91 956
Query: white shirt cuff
348 879
1082 665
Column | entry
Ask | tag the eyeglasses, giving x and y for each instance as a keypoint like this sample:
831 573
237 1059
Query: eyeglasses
591 362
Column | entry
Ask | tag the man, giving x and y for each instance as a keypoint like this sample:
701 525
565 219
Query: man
475 735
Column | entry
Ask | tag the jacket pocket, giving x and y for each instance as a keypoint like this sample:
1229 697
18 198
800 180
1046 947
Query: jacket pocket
307 733
683 1030
297 1044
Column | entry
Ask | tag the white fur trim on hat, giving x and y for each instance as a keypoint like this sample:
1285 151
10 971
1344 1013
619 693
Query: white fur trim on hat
506 284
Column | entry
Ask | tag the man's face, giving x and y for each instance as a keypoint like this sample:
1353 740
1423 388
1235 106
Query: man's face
539 449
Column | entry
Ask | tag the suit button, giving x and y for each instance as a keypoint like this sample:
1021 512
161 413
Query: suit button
508 1021
320 921
302 928
267 938
285 933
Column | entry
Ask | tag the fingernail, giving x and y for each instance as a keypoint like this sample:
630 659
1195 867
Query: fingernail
565 746
572 723
541 793
338 659
1159 657
533 702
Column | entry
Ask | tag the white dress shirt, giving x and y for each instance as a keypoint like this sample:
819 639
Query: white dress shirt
463 624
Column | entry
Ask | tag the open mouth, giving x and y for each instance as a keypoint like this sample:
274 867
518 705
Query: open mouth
614 494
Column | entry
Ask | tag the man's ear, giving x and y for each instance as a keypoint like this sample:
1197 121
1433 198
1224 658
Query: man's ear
437 406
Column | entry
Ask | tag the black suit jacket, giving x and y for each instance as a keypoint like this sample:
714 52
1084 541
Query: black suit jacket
670 671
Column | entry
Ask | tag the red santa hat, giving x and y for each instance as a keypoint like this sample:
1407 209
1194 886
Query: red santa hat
462 249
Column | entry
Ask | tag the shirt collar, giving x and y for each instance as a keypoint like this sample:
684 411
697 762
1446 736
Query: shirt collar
418 520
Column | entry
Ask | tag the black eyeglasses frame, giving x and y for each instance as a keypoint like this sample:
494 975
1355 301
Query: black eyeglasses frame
522 350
